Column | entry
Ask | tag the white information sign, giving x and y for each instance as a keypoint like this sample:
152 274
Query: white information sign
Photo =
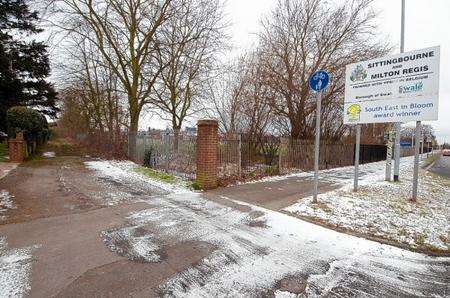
399 88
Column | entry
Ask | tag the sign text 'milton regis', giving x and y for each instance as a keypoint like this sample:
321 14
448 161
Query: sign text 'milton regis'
399 88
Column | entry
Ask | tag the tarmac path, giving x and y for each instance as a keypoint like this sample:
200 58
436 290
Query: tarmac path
276 193
442 166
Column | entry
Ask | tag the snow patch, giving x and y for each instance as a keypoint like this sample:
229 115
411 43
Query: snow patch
284 294
6 203
128 243
15 270
49 154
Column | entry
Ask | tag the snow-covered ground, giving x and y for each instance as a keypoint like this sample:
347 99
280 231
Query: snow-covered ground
15 270
382 208
258 250
6 203
379 209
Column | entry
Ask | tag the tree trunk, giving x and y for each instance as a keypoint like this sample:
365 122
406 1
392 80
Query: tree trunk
132 134
295 129
176 135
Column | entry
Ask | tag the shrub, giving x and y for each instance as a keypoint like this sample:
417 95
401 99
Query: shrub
272 170
195 186
32 123
149 157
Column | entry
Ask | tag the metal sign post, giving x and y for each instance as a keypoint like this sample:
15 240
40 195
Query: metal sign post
421 146
398 125
317 147
318 82
389 156
357 145
416 162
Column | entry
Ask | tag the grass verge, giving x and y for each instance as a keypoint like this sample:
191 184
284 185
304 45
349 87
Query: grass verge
155 174
430 159
166 177
3 152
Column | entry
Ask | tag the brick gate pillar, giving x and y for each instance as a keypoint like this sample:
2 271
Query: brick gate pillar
16 148
207 142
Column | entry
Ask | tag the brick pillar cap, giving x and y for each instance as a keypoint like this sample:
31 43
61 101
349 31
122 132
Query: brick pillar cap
19 136
207 122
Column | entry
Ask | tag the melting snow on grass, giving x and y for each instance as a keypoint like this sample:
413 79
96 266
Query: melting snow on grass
15 270
6 203
383 209
123 171
119 174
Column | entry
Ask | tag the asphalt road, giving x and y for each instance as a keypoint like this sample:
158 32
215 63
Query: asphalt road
442 166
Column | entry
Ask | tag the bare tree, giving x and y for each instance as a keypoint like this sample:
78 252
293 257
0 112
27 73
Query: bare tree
90 91
74 116
427 132
124 32
240 99
192 39
224 96
302 36
257 113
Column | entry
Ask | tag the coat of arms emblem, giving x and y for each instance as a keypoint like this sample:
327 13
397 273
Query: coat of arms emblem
358 74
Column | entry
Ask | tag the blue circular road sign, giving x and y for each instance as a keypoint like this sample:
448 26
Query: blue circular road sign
319 80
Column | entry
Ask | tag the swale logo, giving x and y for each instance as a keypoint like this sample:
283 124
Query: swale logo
416 87
358 74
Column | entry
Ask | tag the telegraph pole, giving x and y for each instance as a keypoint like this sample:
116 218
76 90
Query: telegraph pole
398 125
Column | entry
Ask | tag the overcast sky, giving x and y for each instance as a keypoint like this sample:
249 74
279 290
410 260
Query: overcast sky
427 24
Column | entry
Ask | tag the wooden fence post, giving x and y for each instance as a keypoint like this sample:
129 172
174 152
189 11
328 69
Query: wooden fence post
283 148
